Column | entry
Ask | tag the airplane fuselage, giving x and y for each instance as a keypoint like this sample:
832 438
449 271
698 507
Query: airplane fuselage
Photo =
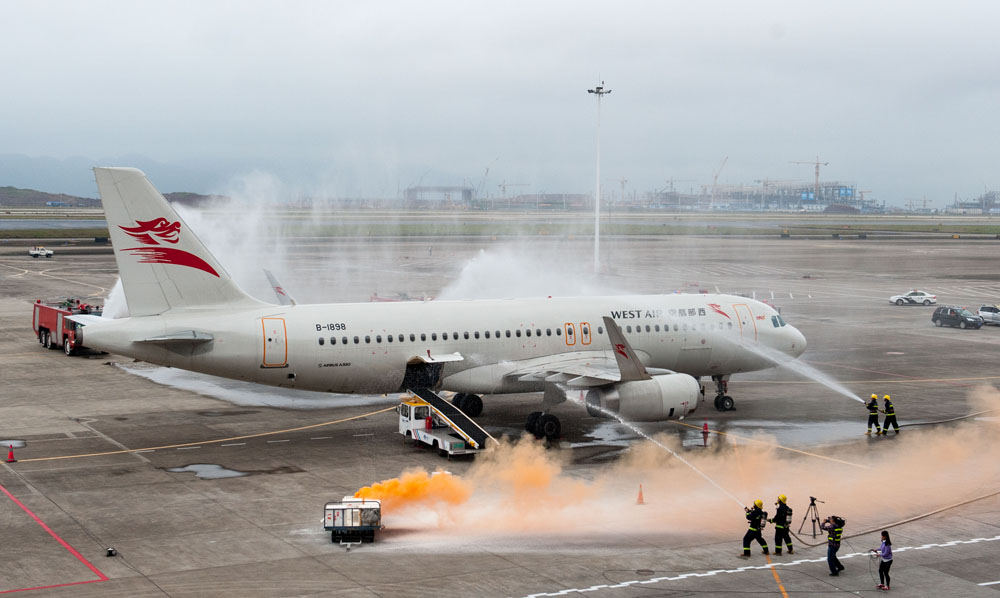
366 347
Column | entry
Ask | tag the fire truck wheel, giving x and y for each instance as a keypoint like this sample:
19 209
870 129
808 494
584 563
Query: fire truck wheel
46 340
532 420
67 347
473 405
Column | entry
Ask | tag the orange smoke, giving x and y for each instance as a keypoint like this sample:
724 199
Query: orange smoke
417 486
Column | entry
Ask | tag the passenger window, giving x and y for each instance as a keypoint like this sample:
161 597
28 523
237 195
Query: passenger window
628 328
647 327
685 327
548 332
558 331
730 324
518 333
343 340
388 337
321 341
356 340
400 338
368 340
454 335
600 330
507 333
487 334
423 336
656 328
676 328
412 337
528 332
434 336
444 336
378 338
538 332
476 334
498 333
333 340
466 335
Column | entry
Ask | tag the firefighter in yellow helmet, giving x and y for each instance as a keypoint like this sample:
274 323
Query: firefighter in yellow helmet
782 521
757 517
873 415
890 416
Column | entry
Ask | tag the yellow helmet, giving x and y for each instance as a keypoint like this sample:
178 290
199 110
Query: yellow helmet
875 396
782 498
758 503
886 397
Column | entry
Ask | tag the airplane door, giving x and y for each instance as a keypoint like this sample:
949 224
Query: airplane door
569 330
748 326
275 343
585 333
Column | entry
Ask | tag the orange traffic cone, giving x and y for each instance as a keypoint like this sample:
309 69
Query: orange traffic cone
10 455
640 501
704 434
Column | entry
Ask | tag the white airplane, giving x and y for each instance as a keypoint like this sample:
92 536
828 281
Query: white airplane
638 356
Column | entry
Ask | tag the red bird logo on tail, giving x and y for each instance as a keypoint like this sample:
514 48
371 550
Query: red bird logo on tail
620 349
151 232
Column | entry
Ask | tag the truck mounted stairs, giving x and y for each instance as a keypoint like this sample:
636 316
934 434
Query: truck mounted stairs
453 416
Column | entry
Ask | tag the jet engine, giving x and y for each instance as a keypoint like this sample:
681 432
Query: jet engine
668 396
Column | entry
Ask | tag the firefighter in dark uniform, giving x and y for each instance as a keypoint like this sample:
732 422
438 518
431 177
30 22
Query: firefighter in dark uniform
782 520
873 415
834 527
756 517
890 416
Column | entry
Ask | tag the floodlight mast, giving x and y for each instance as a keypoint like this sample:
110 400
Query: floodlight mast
598 91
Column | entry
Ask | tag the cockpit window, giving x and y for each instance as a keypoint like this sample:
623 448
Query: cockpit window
781 322
774 321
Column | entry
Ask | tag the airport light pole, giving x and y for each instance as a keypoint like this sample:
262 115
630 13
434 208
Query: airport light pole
598 91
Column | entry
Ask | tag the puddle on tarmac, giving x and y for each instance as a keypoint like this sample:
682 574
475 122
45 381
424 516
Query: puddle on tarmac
794 434
208 471
211 471
607 433
7 444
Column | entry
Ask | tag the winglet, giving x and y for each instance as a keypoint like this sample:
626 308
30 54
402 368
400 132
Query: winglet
628 363
283 297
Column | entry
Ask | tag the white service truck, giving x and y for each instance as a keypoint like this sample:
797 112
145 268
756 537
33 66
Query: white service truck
353 520
40 251
426 424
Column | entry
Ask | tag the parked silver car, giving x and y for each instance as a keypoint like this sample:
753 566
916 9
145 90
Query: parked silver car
990 314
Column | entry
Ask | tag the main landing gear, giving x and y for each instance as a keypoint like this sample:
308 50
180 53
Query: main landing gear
469 404
723 402
543 425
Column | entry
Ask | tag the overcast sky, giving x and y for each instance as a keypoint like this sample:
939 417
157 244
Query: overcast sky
350 98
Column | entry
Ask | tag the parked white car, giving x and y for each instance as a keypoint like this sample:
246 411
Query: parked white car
990 314
914 297
40 252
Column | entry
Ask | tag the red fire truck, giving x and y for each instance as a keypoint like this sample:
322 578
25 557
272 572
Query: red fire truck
54 331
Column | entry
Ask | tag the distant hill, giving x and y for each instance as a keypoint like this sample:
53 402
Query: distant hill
12 197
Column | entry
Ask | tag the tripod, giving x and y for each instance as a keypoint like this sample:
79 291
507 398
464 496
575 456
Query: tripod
812 513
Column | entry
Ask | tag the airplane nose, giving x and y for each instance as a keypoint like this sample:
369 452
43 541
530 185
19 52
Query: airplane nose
798 341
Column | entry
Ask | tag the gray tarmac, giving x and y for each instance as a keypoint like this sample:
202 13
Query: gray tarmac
96 441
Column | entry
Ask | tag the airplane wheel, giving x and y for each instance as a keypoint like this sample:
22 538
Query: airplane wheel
532 421
459 401
548 426
727 403
473 405
718 403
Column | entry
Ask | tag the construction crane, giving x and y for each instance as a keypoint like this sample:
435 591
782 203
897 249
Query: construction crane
817 164
503 189
715 181
622 180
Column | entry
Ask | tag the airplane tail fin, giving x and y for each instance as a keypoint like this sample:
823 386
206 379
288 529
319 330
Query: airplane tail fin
162 264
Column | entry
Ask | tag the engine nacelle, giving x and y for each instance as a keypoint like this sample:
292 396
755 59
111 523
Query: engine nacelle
669 396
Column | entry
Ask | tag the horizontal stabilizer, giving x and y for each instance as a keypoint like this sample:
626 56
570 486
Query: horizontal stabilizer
193 337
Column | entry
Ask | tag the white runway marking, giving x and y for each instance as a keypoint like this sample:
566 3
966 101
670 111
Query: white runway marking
188 448
234 444
276 441
633 582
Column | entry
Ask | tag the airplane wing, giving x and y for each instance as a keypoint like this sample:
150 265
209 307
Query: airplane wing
578 369
283 297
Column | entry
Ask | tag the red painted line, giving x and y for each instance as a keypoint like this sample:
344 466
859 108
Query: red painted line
70 549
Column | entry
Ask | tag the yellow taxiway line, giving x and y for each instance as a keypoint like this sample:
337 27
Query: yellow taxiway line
774 572
184 444
786 448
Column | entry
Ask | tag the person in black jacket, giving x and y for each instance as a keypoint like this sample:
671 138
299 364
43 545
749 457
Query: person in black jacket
756 517
873 415
834 527
782 520
890 416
